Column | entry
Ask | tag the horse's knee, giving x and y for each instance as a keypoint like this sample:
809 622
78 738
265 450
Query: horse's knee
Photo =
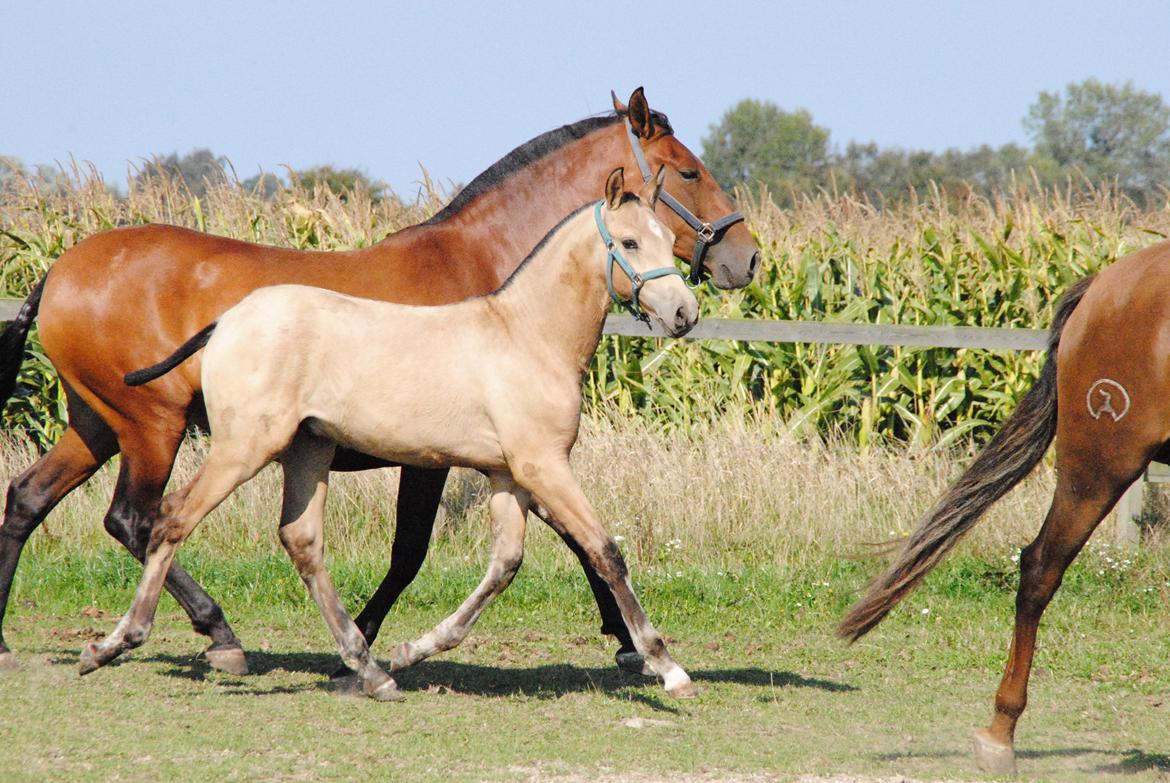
304 548
121 523
23 511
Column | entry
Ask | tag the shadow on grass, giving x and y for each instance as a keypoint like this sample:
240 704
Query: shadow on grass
770 679
1131 762
1134 761
545 681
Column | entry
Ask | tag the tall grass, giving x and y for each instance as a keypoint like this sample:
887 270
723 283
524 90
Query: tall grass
970 262
730 492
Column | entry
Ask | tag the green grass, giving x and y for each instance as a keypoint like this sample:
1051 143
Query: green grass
532 695
745 566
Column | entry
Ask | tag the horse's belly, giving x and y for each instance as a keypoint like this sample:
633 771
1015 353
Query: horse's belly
417 441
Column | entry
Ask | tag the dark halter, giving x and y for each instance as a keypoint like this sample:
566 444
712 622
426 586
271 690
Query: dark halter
705 233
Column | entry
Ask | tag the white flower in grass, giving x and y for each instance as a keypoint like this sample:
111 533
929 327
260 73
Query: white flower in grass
925 610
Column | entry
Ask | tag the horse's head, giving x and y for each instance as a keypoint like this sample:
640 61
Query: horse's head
648 283
711 235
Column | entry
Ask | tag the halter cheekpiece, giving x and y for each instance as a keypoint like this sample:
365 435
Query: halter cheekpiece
705 233
637 280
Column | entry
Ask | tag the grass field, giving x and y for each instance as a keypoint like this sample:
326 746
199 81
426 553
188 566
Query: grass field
742 567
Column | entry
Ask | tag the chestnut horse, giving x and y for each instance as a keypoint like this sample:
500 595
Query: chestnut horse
119 299
1104 395
493 383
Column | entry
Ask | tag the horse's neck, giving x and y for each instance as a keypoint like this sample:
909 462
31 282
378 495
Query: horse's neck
559 297
496 229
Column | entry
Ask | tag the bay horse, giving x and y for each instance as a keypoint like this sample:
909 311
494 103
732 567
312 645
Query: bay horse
120 298
1104 396
493 383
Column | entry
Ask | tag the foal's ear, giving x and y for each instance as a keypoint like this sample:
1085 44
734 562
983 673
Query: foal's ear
618 106
614 187
641 120
649 192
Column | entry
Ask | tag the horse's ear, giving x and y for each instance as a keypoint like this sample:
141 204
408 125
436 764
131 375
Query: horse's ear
614 187
649 192
641 120
618 106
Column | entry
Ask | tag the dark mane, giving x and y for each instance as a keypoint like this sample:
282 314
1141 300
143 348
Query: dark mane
530 152
539 245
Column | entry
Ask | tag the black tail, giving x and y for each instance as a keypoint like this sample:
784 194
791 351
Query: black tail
147 374
13 340
1010 456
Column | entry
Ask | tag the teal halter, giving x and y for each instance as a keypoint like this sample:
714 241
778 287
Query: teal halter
636 280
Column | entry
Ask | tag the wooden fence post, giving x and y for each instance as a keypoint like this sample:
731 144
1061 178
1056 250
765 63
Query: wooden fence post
1127 512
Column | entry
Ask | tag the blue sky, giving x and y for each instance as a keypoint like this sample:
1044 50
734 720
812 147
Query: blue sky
454 86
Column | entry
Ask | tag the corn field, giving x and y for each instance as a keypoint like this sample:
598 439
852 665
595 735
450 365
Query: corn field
940 261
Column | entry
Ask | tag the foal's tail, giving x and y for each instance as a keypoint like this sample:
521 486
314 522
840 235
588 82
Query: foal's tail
147 374
13 340
1010 456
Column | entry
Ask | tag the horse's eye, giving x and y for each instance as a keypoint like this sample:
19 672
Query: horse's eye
630 244
689 174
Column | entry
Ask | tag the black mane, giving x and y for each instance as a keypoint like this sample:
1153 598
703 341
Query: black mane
530 152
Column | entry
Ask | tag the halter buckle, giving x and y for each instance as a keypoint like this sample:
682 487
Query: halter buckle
705 232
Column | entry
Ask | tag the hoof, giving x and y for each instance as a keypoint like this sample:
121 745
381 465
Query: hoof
388 691
678 684
227 659
8 662
992 756
632 663
402 657
685 690
89 660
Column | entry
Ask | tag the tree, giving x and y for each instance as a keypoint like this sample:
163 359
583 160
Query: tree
892 173
197 170
758 142
342 182
1108 132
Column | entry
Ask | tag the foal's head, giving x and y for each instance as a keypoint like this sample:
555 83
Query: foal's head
647 246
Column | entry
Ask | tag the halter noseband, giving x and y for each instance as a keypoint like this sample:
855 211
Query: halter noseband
705 233
637 280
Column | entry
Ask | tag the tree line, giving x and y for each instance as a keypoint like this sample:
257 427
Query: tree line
1103 135
1111 135
200 170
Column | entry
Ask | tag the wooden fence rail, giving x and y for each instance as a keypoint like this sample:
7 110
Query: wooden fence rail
1128 508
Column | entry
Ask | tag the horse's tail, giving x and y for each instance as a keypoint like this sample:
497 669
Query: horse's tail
147 374
1010 456
13 340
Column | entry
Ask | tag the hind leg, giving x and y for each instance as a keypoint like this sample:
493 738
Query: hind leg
553 484
227 467
509 509
147 459
626 657
1086 490
306 477
82 449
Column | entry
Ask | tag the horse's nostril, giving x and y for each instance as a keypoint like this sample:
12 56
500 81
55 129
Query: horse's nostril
680 316
755 262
